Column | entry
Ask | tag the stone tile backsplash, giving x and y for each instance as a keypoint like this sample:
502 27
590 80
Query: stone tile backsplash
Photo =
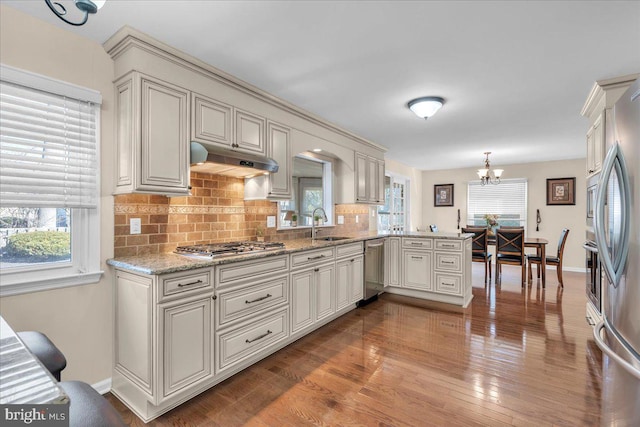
215 212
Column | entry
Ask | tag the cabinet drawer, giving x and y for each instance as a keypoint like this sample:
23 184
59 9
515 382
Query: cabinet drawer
417 243
349 250
235 303
248 340
448 245
232 272
186 282
312 257
449 261
448 284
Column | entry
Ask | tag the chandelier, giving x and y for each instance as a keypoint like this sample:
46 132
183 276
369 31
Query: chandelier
485 173
85 6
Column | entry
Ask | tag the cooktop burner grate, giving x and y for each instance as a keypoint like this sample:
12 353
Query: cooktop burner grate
231 248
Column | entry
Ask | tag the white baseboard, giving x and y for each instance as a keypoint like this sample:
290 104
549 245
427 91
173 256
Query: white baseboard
103 386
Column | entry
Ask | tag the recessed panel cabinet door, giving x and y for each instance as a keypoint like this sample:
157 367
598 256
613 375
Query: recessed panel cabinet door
211 121
187 344
165 137
301 300
250 132
325 291
279 142
344 275
357 283
417 268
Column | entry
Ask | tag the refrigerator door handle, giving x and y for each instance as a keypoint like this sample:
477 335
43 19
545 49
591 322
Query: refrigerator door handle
613 264
597 335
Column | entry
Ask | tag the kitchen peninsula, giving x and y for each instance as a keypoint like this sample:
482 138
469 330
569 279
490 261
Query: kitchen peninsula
184 324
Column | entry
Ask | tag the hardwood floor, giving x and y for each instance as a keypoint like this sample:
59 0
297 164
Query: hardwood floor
516 357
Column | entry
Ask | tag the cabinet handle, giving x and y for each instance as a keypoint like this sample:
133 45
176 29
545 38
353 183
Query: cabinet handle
448 284
416 257
447 262
448 246
311 258
316 269
353 260
416 243
182 285
214 297
258 299
258 338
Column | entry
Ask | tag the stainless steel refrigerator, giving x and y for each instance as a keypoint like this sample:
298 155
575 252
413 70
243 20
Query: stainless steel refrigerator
617 229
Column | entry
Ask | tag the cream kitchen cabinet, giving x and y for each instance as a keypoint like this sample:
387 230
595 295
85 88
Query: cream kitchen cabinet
349 275
152 138
312 288
253 311
393 261
436 268
598 108
163 337
250 132
369 180
212 121
279 185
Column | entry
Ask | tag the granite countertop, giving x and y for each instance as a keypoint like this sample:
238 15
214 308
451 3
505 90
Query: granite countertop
164 263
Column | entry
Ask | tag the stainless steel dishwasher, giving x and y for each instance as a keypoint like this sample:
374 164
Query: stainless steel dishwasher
373 270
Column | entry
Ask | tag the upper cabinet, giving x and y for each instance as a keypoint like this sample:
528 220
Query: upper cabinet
212 121
152 139
275 186
597 109
217 123
369 173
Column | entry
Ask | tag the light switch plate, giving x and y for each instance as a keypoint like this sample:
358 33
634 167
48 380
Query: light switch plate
271 221
340 219
135 226
357 219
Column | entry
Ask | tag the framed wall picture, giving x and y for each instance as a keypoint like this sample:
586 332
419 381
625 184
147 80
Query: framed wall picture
443 195
561 191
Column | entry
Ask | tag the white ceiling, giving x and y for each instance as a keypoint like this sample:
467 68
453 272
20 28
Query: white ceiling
514 74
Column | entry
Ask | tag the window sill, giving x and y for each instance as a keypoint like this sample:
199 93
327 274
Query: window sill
49 283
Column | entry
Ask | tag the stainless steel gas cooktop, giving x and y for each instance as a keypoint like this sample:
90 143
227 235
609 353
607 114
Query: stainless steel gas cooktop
215 250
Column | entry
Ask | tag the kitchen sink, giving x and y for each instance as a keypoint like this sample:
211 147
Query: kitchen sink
334 238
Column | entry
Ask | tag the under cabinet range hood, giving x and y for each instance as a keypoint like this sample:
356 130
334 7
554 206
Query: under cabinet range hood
223 161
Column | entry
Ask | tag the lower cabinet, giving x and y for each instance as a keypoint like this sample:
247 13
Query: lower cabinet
416 268
312 295
187 343
349 278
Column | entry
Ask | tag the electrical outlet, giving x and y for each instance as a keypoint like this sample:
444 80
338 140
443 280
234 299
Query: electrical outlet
271 221
135 226
340 219
357 219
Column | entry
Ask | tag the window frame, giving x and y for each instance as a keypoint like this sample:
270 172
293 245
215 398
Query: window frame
84 267
523 209
406 182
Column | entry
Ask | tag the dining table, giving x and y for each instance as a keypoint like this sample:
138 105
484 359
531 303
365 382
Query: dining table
540 245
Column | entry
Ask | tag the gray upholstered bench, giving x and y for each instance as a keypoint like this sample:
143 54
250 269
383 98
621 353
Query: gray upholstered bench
88 408
48 354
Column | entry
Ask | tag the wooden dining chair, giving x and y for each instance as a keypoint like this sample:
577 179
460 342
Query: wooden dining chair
479 249
510 251
550 260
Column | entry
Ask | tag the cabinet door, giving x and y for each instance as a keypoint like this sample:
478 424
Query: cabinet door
279 149
211 121
325 288
187 339
392 261
372 180
361 178
357 282
344 274
164 137
417 269
250 132
598 143
301 300
380 182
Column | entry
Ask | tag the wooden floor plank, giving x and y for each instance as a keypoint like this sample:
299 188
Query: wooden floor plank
519 356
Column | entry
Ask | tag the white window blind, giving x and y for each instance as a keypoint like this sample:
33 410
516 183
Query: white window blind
508 200
48 149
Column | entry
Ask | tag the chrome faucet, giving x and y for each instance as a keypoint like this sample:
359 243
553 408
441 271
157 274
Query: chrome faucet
313 221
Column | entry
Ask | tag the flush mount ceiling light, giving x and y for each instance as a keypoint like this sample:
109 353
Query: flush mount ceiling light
86 6
426 106
485 173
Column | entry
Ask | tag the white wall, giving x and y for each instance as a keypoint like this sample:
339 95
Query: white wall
554 218
77 319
